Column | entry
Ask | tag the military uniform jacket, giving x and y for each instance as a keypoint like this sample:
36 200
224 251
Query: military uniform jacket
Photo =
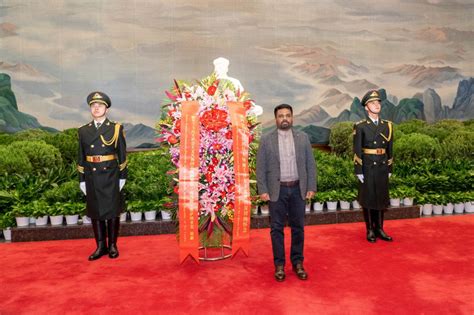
373 157
103 199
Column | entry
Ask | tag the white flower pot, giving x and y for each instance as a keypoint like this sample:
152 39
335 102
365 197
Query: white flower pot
332 205
408 201
150 215
318 206
448 209
86 219
395 202
345 205
56 219
308 208
72 219
165 215
7 233
123 216
22 221
32 220
437 209
40 221
459 207
469 207
264 209
427 209
355 204
135 216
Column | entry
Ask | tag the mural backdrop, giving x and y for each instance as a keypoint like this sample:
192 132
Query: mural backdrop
319 56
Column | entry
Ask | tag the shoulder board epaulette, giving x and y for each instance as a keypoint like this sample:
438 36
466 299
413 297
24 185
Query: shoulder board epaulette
87 124
360 121
387 121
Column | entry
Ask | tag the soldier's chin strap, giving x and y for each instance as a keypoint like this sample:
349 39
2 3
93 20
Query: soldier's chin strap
114 138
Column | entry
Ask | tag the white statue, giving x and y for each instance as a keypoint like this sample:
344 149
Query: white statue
221 67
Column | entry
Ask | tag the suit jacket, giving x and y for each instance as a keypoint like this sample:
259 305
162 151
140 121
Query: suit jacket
373 192
268 164
104 200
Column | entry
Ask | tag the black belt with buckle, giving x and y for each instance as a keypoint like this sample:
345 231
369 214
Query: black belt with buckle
290 184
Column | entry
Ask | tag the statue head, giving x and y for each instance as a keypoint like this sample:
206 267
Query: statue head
221 66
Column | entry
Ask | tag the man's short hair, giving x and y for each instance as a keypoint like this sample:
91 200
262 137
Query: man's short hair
282 106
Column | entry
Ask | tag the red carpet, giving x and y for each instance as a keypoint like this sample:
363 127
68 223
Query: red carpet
429 269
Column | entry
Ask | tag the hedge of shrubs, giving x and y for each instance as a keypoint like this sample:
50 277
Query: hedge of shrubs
432 162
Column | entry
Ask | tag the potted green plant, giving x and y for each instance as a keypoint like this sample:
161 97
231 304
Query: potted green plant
426 204
331 198
168 208
469 202
55 212
39 210
7 221
457 198
438 200
448 206
396 193
134 207
318 202
345 198
22 213
408 193
149 208
71 211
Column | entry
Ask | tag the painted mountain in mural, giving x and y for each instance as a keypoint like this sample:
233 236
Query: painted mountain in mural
12 120
140 136
425 106
421 76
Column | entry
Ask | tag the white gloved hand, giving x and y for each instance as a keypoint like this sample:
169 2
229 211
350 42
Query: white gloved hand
121 184
360 177
389 174
82 186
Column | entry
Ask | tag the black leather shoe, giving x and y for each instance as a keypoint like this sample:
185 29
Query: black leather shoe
383 236
371 236
300 272
99 252
280 273
113 251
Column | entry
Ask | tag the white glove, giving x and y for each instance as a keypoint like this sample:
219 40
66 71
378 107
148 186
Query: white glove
389 174
360 177
121 184
82 186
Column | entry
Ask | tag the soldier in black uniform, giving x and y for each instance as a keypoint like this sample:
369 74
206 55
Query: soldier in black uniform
102 166
373 141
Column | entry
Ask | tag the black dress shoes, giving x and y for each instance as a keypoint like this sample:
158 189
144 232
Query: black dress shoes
113 251
99 252
383 236
279 273
371 236
300 272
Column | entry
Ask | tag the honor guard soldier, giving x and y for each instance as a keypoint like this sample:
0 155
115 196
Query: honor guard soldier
102 166
373 141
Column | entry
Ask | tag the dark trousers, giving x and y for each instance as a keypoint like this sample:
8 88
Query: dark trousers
289 204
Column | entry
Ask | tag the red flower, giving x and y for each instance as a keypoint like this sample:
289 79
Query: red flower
172 139
214 119
209 177
228 135
176 189
248 104
215 161
211 90
217 146
177 125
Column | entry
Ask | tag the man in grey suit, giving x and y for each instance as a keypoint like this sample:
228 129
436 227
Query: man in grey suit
286 176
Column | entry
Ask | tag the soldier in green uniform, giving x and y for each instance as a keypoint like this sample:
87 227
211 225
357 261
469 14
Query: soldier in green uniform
102 166
373 141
